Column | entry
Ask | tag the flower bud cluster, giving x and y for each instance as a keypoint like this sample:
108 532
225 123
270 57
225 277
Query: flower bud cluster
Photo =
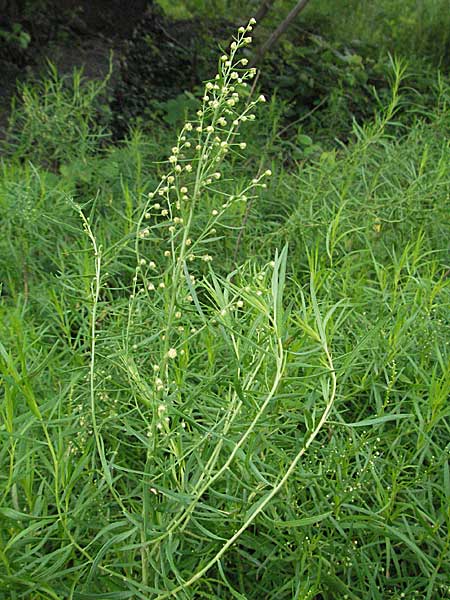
194 172
195 160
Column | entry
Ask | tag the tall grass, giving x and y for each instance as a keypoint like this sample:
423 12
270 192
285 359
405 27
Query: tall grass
184 418
57 118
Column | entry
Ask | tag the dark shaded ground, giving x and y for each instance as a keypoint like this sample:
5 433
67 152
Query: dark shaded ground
72 34
154 58
162 60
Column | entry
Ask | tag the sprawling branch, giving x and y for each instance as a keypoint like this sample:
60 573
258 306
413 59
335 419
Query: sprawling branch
263 9
273 38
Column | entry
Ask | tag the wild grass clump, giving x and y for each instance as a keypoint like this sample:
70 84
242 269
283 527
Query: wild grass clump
181 382
218 381
57 120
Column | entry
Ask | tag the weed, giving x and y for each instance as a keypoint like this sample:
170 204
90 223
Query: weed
56 120
182 419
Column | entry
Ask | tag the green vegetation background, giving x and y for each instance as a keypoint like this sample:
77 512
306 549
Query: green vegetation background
359 193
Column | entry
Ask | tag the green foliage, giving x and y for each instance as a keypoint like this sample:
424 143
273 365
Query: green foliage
188 9
411 28
35 203
324 79
56 120
328 85
15 36
296 445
